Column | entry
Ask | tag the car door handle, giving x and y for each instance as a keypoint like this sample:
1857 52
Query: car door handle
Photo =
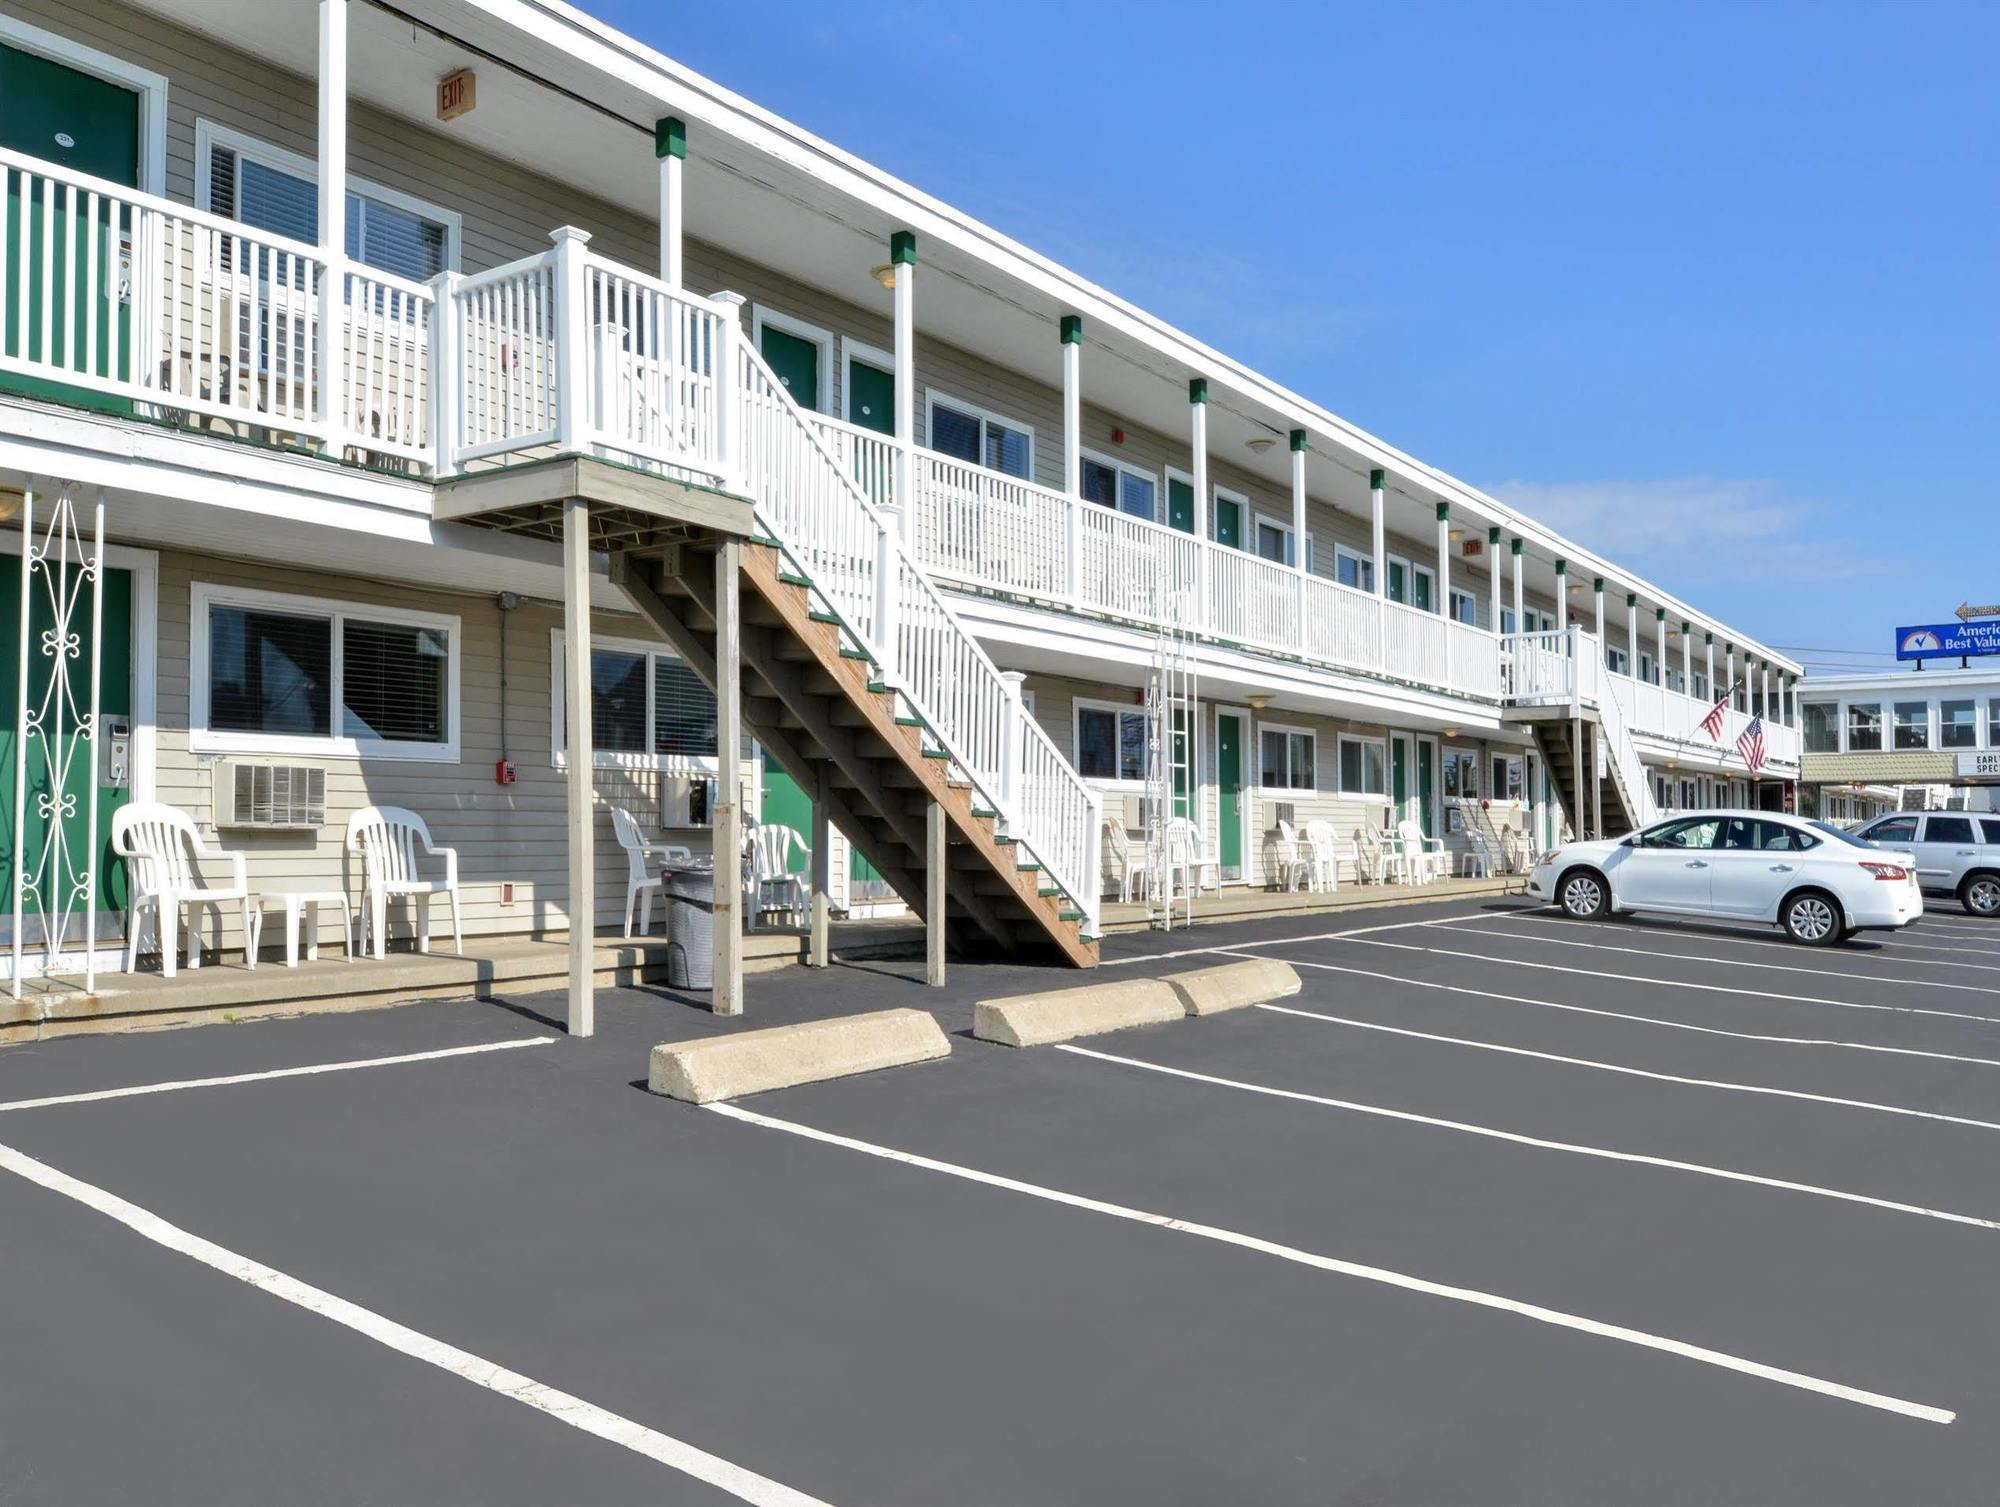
1698 863
1966 853
1781 868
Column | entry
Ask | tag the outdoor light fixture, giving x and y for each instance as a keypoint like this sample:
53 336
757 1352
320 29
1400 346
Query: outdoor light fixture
11 499
1257 444
1259 701
885 275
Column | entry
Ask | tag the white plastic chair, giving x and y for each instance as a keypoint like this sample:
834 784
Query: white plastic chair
1132 860
773 885
1425 856
1202 871
640 880
163 853
387 837
1288 858
1373 858
1330 850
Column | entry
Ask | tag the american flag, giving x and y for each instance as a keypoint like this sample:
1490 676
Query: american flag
1712 723
1751 745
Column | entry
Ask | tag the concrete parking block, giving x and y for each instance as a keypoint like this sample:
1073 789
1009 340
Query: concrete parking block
1234 986
1029 1020
755 1062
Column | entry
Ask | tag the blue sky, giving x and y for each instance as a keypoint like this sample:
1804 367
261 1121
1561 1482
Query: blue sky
1711 287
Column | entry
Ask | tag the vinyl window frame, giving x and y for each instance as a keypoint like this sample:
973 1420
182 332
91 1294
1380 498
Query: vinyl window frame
1118 709
644 760
1381 747
202 595
1121 469
1364 569
934 396
1290 730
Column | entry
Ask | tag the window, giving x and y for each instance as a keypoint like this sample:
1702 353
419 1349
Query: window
1689 800
1110 742
285 674
1415 585
1461 774
1274 542
246 180
1993 723
1864 727
1746 834
1990 829
1698 833
1949 829
1363 762
1822 727
1913 724
1358 571
1509 782
1700 686
1648 671
1958 724
1896 829
1285 758
1113 484
1616 661
1464 607
980 438
648 710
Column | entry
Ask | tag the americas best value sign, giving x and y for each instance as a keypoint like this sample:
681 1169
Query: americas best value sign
1948 640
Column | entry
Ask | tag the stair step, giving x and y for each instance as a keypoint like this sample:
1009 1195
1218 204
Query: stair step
791 580
1048 891
879 687
825 617
847 653
1069 915
985 813
902 721
937 753
1031 868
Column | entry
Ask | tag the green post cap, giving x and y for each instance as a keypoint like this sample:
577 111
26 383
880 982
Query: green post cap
903 248
1298 439
1631 599
1562 567
1708 638
670 137
1072 329
1659 614
1598 584
1493 535
1197 389
1444 511
1686 626
1375 479
1518 546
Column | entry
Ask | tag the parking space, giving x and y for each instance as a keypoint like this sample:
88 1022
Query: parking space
1500 1207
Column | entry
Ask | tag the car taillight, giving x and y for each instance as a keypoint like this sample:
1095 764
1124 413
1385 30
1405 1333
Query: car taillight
1895 873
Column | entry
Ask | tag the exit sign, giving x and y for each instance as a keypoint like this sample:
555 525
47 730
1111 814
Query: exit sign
457 94
1474 548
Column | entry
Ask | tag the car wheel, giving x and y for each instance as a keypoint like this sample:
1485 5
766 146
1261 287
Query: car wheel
1812 917
1584 895
1980 894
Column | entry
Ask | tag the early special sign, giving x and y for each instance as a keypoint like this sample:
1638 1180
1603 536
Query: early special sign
1948 640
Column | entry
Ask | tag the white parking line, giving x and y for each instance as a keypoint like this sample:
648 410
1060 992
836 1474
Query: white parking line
1317 936
722 1474
1604 1067
96 1095
1632 978
1539 1143
1889 952
1384 1275
1693 957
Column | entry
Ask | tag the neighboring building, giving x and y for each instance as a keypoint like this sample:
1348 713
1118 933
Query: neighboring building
265 412
1901 739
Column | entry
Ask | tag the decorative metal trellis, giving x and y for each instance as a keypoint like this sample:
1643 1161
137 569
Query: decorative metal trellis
1173 713
53 732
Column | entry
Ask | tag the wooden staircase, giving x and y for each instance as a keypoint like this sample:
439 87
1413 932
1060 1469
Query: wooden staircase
812 700
1553 739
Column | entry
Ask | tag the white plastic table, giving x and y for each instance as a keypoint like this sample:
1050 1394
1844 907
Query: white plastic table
307 903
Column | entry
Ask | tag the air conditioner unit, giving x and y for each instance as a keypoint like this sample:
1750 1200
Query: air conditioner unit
269 797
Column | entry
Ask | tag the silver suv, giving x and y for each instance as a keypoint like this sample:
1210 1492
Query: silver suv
1958 853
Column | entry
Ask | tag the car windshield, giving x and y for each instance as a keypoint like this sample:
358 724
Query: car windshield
1836 833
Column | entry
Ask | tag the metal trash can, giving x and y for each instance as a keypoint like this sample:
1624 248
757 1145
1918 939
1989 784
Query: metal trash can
691 928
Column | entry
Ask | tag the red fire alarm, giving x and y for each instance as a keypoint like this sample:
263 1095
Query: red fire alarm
1117 436
503 772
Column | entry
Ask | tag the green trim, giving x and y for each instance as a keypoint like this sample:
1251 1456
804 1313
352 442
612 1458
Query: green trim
670 137
1598 584
1375 479
903 248
1518 545
1631 599
1562 566
1298 439
847 653
909 722
1072 329
1686 627
1708 638
825 617
1493 535
1444 511
1197 389
791 580
1659 614
937 753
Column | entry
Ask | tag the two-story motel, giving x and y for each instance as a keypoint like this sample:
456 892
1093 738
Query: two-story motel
315 349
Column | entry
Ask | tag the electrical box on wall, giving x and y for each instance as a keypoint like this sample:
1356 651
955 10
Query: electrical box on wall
503 772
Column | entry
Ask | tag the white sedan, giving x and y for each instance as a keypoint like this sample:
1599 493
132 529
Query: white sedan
1811 878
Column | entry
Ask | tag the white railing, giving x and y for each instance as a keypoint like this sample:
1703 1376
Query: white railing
1133 569
988 529
503 333
1621 756
651 364
1540 668
386 363
1475 660
867 455
859 562
1413 643
1343 625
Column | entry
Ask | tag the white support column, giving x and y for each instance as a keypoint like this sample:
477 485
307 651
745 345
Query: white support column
1012 741
670 146
444 374
1764 689
1660 647
1444 582
1493 573
903 258
819 943
1632 634
572 338
1198 444
1687 658
1301 537
937 860
332 210
1597 598
581 744
727 816
1377 485
1562 596
1072 374
1708 669
1514 549
1729 673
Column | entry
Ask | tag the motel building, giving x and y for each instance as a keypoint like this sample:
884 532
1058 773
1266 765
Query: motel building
1912 739
460 409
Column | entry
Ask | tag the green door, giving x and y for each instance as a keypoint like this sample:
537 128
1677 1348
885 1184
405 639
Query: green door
91 126
1399 778
1420 595
1427 786
795 362
1229 792
1399 585
871 395
1229 523
786 805
1180 505
115 703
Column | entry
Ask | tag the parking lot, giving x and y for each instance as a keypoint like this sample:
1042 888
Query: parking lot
1500 1208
